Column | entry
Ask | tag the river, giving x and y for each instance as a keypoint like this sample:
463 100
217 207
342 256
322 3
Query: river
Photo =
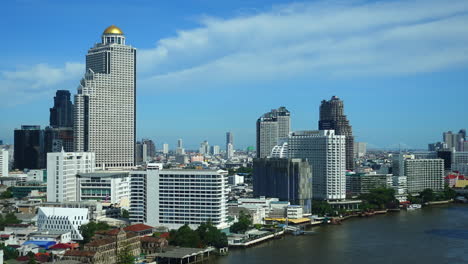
436 234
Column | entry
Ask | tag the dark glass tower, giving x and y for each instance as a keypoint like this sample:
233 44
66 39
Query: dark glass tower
61 115
332 117
29 148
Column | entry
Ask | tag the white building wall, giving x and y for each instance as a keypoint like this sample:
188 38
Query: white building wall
4 161
62 219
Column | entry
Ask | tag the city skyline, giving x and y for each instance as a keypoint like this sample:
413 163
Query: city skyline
406 90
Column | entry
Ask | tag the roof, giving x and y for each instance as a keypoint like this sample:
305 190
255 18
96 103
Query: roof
103 175
44 244
138 228
294 221
150 239
182 252
61 246
113 30
80 253
100 242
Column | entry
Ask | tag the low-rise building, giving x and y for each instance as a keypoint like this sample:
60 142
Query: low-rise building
62 219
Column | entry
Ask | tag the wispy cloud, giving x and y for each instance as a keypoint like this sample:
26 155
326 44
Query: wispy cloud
331 39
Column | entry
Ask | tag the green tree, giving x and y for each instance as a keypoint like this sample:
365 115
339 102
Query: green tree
211 236
184 237
380 198
427 195
9 252
242 225
125 256
32 258
8 219
321 208
449 193
6 194
125 213
88 230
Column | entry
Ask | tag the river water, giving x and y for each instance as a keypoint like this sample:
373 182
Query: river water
431 235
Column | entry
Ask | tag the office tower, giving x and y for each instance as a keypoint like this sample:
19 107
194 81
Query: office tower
61 114
271 127
360 183
161 197
229 151
180 147
29 148
138 153
424 174
62 168
283 178
332 117
105 106
325 152
360 149
57 138
215 150
455 140
165 148
57 220
437 146
4 162
150 147
229 138
204 148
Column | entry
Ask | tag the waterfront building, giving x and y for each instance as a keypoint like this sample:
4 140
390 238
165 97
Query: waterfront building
62 168
460 162
62 219
165 148
61 114
271 127
361 183
332 117
360 149
104 186
325 152
4 163
423 174
29 148
283 178
173 198
400 185
105 116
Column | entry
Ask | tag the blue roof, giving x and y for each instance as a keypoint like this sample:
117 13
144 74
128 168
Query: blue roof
43 244
280 202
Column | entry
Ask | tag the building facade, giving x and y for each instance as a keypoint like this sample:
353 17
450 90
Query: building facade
105 109
29 148
332 117
61 114
424 174
325 152
62 168
4 163
287 179
62 219
360 183
271 127
104 186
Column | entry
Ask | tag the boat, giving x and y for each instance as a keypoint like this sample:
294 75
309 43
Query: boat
413 207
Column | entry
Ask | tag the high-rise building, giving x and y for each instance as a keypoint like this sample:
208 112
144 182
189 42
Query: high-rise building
56 139
455 140
29 148
165 148
62 168
271 127
325 152
173 198
106 186
204 148
105 109
283 178
215 150
180 147
4 162
332 117
61 114
424 174
360 149
359 183
229 151
150 147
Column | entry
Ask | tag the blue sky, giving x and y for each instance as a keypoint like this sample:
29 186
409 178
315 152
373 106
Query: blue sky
206 67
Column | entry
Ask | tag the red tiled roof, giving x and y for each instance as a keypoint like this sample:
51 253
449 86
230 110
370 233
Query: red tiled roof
138 228
164 235
111 232
61 246
100 242
451 176
4 236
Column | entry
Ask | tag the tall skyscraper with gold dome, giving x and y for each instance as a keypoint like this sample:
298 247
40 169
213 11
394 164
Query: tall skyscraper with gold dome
105 104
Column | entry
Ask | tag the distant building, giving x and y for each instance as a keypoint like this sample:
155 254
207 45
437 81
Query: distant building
4 163
454 140
61 219
61 114
360 183
460 162
437 146
29 148
62 168
229 151
332 117
180 147
215 150
204 148
287 179
325 152
424 174
271 127
165 148
360 149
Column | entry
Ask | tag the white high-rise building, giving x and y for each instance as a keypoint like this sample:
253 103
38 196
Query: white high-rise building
165 148
106 186
360 149
62 220
215 150
325 152
180 147
204 148
105 103
62 168
229 151
272 127
173 198
424 174
4 161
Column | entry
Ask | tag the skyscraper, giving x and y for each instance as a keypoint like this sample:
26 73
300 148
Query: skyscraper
29 148
204 148
165 148
105 108
61 114
180 147
229 138
271 127
332 117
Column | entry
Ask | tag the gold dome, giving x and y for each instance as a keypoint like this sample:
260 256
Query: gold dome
113 30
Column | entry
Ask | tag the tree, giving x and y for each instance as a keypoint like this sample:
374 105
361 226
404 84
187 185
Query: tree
88 230
427 195
380 198
449 193
321 208
211 236
8 219
184 237
125 213
6 194
9 252
125 256
242 225
32 258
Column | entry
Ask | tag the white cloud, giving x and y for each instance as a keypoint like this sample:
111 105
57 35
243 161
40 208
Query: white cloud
325 39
